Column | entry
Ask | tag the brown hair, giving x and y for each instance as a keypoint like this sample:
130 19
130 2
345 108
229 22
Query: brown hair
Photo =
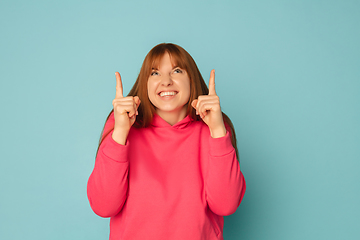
198 87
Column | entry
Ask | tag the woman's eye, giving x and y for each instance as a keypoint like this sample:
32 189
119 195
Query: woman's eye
154 73
178 70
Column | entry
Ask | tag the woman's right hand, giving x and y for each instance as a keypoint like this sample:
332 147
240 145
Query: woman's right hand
125 111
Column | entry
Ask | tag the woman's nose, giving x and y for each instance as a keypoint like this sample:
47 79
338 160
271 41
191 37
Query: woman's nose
166 81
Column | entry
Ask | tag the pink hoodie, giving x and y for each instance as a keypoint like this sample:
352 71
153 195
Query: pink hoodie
167 182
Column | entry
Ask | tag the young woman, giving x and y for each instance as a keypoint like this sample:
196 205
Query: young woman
166 166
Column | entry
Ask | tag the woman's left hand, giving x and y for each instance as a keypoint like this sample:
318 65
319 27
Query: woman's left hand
208 107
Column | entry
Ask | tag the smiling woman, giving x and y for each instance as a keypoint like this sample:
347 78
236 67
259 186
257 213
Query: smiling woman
169 90
166 166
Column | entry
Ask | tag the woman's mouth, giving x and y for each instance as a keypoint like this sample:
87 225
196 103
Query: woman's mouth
165 94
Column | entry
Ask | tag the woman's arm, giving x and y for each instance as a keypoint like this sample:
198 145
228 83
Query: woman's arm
224 183
108 183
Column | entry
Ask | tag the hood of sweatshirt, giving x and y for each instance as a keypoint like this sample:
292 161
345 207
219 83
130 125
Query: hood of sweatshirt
159 122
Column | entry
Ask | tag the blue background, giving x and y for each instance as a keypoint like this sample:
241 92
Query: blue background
287 73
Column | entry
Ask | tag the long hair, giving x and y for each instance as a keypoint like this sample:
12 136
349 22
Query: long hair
182 59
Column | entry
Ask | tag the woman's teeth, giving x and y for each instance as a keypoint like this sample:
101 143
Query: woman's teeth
163 94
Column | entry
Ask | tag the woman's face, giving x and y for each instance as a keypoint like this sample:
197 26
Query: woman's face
169 90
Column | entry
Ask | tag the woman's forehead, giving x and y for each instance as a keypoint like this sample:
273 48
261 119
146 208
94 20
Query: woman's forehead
175 61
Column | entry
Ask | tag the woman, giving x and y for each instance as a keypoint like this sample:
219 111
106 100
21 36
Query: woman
166 166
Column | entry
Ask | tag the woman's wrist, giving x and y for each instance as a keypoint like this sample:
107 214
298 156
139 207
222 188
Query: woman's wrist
218 132
120 136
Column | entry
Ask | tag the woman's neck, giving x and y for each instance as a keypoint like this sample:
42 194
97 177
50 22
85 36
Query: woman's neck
172 117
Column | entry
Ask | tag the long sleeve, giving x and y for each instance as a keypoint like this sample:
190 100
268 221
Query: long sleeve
225 184
108 183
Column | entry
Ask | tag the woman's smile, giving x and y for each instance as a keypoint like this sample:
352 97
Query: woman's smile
167 94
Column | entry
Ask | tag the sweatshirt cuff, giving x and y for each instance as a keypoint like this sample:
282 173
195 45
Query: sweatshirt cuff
221 146
114 150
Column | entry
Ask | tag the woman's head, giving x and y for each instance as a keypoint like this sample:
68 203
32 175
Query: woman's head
168 88
179 59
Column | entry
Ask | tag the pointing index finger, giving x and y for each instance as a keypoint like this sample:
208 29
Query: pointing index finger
212 83
119 87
